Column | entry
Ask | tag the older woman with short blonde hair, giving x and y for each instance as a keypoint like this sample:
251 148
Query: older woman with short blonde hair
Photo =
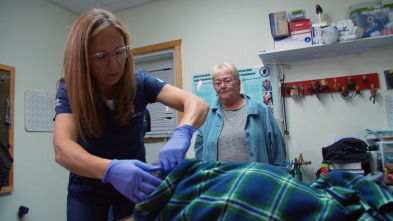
238 128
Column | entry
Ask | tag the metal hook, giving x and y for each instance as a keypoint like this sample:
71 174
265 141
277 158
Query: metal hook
4 78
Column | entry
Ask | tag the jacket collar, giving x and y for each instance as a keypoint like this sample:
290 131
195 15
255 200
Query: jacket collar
250 105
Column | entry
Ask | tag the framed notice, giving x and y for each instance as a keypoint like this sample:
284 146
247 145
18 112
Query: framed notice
256 82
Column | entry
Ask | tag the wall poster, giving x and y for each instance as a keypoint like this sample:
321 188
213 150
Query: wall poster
256 82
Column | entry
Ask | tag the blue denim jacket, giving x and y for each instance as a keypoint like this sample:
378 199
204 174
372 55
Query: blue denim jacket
265 143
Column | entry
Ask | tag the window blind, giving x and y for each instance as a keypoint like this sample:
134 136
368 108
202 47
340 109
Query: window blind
163 118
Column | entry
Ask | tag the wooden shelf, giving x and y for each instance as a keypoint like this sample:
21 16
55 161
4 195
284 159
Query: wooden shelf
325 51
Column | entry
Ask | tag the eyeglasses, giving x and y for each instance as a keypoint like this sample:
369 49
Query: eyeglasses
226 81
102 58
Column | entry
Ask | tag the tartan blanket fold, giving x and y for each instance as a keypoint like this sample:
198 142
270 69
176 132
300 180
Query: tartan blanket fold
211 190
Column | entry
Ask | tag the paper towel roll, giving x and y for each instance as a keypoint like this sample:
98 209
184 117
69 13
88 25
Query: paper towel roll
374 161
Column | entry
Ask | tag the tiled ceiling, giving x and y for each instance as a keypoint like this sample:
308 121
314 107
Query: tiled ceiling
79 6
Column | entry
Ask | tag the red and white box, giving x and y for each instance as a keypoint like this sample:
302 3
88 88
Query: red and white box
300 36
300 27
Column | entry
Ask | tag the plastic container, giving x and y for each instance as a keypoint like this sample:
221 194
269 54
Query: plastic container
386 151
373 18
325 168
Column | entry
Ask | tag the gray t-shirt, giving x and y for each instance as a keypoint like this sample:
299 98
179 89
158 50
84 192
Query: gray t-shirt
232 145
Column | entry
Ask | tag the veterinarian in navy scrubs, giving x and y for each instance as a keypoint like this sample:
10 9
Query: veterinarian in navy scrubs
100 107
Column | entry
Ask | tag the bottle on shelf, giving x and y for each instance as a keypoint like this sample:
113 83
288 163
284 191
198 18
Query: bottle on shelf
386 173
325 168
297 172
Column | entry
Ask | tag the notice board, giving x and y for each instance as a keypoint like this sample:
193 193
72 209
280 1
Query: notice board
256 82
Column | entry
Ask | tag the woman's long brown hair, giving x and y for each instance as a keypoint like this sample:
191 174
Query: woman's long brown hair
86 103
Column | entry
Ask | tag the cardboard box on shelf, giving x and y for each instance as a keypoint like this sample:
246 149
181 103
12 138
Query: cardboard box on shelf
297 15
279 24
300 26
300 37
316 32
293 41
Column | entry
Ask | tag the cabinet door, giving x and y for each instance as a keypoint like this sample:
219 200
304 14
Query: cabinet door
7 92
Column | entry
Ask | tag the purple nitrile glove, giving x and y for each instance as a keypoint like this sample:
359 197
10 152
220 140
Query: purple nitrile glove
131 178
176 148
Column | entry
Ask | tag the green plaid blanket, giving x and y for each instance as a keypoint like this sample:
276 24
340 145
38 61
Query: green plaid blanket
200 190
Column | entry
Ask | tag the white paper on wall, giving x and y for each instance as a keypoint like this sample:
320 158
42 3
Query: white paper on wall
389 109
39 111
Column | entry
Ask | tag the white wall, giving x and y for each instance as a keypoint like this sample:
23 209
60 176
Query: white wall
32 39
234 31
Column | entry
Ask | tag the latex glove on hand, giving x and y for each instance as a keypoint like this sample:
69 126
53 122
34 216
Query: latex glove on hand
176 148
131 178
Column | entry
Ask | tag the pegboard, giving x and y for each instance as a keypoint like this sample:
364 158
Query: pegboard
7 98
331 85
39 111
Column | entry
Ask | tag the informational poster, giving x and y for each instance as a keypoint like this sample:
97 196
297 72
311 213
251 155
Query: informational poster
256 82
389 79
389 109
